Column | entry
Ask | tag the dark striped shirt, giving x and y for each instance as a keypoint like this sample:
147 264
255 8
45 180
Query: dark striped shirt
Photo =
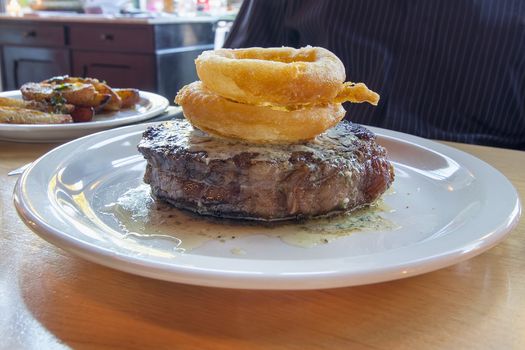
445 69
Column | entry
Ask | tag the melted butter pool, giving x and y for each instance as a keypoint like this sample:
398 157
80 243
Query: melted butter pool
140 216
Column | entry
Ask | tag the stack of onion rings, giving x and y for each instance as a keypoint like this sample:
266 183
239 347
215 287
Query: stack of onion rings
269 94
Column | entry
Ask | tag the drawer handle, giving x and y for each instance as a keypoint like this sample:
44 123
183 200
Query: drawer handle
30 34
106 37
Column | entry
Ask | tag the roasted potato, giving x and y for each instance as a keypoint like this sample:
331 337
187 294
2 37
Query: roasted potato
77 94
16 115
42 106
13 102
129 97
37 92
114 103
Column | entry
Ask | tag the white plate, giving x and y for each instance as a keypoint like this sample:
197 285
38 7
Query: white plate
149 106
450 205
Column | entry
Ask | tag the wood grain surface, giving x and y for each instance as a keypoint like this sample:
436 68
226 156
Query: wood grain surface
50 299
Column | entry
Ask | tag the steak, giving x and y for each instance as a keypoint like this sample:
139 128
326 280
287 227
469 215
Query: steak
340 170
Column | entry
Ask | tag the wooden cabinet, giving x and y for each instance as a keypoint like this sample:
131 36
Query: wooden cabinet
156 57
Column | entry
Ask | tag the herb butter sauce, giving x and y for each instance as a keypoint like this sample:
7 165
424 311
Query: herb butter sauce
140 216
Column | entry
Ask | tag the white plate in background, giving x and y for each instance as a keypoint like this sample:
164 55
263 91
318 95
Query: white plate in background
149 106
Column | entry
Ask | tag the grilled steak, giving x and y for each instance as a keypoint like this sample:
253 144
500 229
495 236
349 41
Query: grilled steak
340 170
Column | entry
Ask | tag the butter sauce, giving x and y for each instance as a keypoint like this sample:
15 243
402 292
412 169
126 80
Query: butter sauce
140 216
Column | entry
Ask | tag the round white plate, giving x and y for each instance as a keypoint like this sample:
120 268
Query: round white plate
149 106
449 205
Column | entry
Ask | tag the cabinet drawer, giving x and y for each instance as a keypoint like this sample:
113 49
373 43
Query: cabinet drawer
112 39
119 70
26 34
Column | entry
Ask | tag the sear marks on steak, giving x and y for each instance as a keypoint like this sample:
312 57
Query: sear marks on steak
339 171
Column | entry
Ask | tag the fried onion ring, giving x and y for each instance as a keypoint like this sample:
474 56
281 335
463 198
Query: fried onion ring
357 93
219 116
273 76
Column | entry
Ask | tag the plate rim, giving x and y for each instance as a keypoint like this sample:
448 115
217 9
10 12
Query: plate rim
260 280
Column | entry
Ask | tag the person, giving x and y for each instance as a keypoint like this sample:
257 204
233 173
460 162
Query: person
448 70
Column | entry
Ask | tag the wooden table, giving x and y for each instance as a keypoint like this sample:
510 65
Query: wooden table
50 299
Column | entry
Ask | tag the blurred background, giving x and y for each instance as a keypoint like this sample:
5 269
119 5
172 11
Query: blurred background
145 44
116 7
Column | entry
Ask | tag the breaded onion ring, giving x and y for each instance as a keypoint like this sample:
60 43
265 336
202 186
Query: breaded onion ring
273 76
219 116
357 93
